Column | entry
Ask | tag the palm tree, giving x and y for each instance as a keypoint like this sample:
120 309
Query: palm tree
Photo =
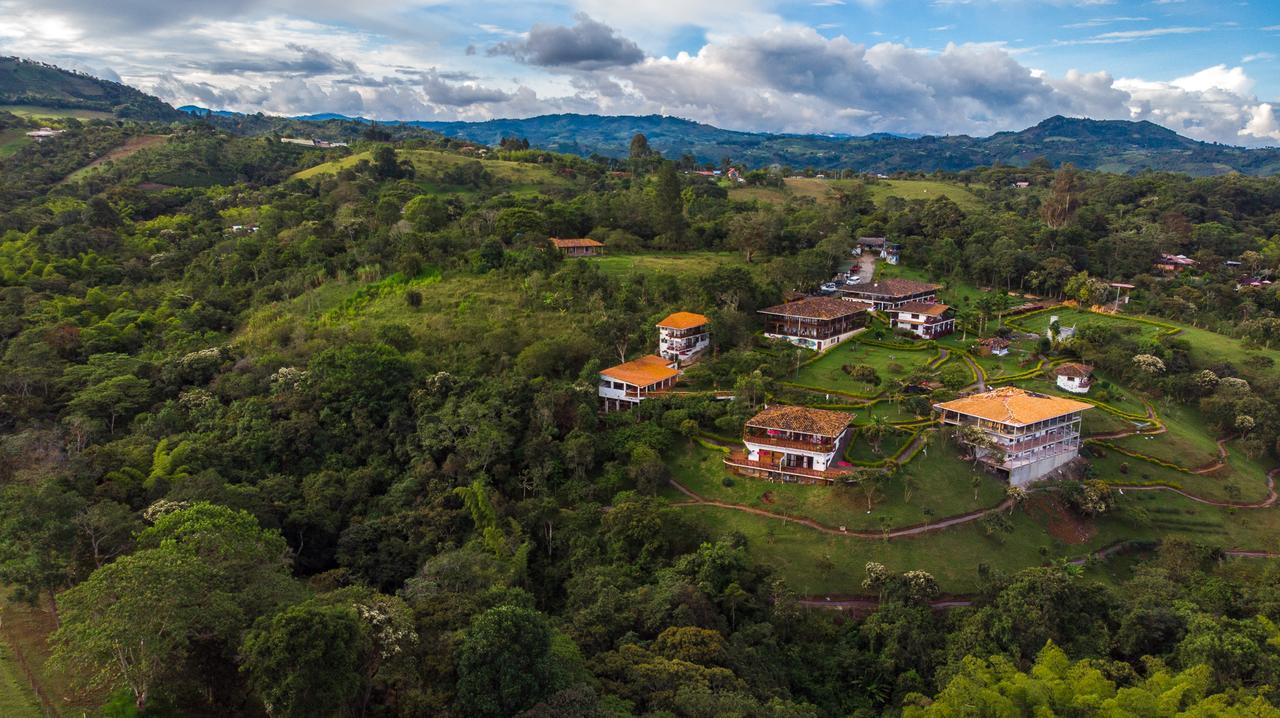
876 430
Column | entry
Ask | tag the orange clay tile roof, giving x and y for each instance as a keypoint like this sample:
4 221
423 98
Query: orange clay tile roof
936 309
683 320
642 372
802 419
1075 369
1014 406
817 308
570 243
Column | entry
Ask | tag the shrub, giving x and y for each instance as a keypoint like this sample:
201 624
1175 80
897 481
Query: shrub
727 481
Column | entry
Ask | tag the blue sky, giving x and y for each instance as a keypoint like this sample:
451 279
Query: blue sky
1206 69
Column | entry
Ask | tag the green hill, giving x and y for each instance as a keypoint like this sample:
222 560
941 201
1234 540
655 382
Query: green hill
35 86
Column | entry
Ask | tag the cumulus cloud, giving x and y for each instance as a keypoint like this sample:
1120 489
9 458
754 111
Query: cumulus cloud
309 61
587 45
442 92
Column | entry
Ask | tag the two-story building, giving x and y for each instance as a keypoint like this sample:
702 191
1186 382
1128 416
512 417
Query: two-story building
584 247
927 320
817 323
1025 435
892 293
683 337
794 443
627 384
1074 377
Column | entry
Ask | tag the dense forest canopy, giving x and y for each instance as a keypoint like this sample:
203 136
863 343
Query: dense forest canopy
299 432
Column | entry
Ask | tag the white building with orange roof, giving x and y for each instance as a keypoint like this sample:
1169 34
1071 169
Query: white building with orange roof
683 336
1027 435
627 384
927 320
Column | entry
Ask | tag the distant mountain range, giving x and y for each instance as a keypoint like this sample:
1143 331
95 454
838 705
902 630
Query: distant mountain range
1108 145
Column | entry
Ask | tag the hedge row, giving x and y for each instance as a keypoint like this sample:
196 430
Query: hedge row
1143 457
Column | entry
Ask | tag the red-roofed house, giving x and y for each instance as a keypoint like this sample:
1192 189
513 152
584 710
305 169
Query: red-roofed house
578 247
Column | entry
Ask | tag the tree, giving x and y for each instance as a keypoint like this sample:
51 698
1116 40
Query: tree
639 150
1063 200
752 232
306 660
504 663
132 622
668 204
37 538
876 429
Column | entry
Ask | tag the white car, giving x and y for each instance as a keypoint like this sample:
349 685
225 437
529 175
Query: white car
829 287
853 280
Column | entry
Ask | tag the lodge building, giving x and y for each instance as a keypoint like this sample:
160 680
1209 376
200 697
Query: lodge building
892 293
1030 435
794 444
683 337
817 323
627 384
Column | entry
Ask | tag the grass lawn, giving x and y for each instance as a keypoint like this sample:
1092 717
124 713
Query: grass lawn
826 372
1186 441
677 263
25 630
55 112
1068 317
521 176
16 698
818 564
1242 480
940 483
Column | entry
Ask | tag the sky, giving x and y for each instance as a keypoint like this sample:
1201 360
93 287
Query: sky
1208 69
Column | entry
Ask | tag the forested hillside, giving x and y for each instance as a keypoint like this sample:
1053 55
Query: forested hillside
293 431
25 82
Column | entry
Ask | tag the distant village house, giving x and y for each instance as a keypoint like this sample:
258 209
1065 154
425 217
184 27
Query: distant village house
993 346
578 247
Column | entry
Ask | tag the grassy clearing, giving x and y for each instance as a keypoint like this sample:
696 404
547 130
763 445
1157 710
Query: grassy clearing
25 630
520 176
924 189
940 485
12 140
890 364
132 146
16 698
40 111
821 190
677 263
1242 480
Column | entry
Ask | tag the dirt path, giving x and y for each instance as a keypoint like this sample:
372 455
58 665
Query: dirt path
981 384
915 530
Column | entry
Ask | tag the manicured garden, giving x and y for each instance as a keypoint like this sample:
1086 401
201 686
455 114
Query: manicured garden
935 484
827 371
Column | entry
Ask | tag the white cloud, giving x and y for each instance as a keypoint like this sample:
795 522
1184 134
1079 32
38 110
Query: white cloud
1258 56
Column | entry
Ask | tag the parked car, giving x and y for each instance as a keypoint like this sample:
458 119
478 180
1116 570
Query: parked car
829 287
855 279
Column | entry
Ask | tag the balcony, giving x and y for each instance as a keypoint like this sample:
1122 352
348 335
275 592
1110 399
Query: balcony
738 460
824 446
